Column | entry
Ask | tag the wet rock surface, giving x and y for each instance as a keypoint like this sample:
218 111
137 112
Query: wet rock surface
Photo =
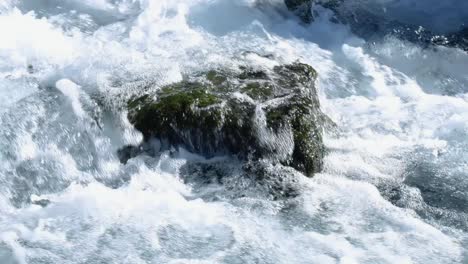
371 25
303 9
255 114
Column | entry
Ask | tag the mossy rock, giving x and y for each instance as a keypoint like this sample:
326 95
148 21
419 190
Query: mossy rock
271 114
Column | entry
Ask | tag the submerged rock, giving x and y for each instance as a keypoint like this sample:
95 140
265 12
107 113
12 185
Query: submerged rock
302 8
255 114
241 179
459 39
372 23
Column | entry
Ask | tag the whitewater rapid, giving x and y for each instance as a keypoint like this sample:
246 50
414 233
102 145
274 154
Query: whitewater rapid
395 184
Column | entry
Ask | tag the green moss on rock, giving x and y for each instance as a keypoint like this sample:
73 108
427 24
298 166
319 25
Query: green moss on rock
215 77
300 116
258 90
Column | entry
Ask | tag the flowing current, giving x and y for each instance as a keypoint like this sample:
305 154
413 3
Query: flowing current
395 184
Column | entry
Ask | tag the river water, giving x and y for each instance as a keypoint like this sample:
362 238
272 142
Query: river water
395 184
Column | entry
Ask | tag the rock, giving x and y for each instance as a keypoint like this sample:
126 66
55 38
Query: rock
459 39
41 202
371 26
302 8
255 114
240 180
372 23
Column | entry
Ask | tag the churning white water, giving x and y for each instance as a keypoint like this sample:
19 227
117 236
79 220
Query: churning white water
395 184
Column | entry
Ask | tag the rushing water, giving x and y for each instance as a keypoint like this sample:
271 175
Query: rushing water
395 184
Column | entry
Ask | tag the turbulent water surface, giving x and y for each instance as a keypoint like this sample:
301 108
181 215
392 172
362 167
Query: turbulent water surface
395 184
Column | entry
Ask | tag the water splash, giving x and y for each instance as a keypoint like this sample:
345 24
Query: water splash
394 187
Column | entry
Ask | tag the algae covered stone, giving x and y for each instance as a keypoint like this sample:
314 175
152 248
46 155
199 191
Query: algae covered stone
268 114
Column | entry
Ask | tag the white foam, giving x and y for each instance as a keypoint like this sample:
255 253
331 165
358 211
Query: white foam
28 40
72 91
